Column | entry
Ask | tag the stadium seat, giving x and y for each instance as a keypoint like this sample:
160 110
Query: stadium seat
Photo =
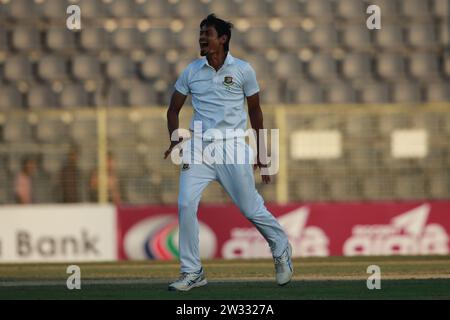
41 97
375 93
86 67
341 92
3 39
391 66
260 65
187 39
287 66
308 93
26 38
83 128
291 38
286 8
254 8
119 67
11 98
95 39
188 9
60 39
156 8
93 9
120 127
23 9
270 92
422 36
224 9
390 37
127 39
55 9
319 9
52 67
352 9
416 8
444 34
438 92
51 130
74 96
154 66
407 92
160 39
123 9
142 95
446 64
357 66
18 68
259 38
17 129
324 36
424 66
112 96
441 8
357 38
390 9
323 67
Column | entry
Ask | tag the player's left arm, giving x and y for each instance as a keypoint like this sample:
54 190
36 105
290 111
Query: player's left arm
257 122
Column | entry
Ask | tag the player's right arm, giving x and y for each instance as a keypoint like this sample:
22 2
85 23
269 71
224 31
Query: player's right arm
176 103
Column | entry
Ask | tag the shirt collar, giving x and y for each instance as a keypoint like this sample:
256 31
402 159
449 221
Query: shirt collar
228 60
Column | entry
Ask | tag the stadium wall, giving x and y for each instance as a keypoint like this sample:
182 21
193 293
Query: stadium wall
83 233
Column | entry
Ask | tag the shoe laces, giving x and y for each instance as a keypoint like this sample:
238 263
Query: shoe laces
188 276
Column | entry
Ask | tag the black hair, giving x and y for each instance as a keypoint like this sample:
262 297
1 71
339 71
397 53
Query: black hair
222 27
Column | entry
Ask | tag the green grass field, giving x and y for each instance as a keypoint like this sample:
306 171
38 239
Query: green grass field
315 278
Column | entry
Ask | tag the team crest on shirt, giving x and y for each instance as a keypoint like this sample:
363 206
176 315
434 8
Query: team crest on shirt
228 81
185 167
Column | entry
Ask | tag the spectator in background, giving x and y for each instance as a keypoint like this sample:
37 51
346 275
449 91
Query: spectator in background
113 183
70 177
23 184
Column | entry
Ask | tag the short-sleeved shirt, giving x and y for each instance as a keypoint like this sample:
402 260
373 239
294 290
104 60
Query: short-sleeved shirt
218 96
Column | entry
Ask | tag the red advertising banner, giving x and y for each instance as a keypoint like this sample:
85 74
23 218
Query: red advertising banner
316 229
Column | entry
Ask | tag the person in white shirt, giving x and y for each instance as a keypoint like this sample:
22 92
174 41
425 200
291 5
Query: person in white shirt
219 85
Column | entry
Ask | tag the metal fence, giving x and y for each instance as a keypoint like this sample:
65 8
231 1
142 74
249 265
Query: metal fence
327 153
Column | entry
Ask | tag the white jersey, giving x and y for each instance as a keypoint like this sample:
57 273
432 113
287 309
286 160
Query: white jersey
218 97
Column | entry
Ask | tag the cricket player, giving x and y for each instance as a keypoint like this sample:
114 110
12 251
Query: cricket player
218 83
